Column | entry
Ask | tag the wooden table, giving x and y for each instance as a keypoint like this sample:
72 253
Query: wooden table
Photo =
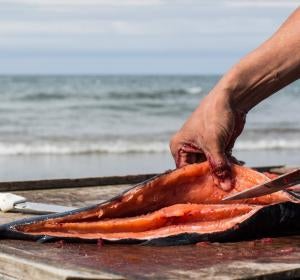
276 258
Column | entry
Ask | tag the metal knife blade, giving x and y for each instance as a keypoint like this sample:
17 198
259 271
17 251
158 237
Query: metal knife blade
39 208
277 184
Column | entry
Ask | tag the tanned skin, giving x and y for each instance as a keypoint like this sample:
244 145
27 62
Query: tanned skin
211 131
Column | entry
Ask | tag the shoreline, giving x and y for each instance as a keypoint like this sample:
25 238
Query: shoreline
34 167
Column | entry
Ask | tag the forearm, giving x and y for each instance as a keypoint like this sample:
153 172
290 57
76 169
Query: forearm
273 65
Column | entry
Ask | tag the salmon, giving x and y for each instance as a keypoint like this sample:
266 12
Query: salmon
179 207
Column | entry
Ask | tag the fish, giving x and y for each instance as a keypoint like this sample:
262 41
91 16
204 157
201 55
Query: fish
182 206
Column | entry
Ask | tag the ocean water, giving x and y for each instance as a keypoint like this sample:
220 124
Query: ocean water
72 126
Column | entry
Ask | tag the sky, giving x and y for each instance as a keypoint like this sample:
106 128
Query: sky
133 36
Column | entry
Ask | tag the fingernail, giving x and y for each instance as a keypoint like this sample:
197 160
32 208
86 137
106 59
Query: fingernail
226 184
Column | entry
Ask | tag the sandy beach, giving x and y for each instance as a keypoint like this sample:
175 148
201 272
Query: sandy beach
76 166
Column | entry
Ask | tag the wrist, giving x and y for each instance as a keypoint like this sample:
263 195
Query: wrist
243 87
231 91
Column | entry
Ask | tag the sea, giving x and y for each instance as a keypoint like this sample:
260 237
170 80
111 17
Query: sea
83 126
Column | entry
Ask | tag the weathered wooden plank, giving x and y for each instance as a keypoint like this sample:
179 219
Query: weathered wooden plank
14 267
72 183
77 197
271 168
282 170
276 258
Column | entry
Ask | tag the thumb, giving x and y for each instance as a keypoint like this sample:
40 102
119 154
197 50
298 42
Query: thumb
221 169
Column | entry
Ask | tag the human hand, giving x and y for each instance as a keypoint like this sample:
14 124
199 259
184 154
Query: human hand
210 133
212 129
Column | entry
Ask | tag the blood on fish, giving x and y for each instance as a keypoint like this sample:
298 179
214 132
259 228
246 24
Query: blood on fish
100 243
59 244
271 175
203 244
287 250
266 240
251 244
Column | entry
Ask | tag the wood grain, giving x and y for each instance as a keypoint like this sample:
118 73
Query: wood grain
276 258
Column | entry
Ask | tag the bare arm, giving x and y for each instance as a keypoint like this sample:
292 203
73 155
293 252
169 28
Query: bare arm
273 65
211 130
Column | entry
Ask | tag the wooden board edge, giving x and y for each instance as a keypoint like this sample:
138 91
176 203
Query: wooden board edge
99 181
73 183
12 267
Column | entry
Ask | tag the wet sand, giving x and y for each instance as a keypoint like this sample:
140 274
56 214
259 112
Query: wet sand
91 165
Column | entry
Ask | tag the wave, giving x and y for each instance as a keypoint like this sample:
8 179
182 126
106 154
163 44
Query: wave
145 94
73 148
120 94
194 90
42 96
267 144
125 147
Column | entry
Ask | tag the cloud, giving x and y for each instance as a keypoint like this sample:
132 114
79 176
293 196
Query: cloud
180 26
136 29
71 3
70 27
264 3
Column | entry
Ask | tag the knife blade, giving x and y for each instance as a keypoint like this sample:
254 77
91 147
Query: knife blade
280 183
10 202
40 208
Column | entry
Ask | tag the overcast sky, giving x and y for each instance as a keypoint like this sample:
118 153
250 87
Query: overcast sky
133 36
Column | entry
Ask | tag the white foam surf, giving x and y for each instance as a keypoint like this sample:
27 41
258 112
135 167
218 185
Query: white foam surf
123 147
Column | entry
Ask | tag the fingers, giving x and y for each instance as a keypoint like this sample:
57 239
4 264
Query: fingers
221 169
188 154
185 153
220 165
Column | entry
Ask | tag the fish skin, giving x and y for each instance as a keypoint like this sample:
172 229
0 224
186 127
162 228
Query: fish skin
7 230
283 218
288 212
287 224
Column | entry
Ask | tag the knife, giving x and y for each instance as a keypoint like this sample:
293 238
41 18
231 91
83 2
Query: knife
10 202
280 183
